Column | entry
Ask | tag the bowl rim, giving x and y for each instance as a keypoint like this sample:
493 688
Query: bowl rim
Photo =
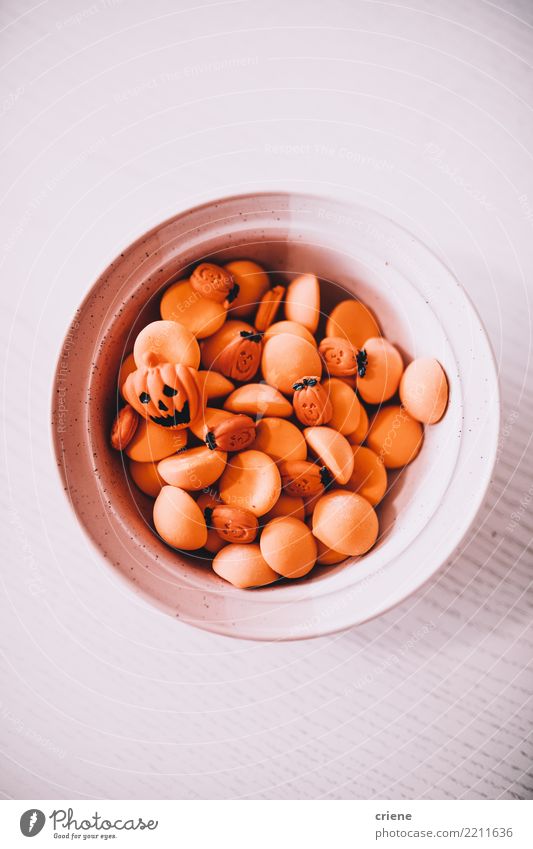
243 631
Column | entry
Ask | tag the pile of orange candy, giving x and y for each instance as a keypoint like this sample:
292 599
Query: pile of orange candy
264 444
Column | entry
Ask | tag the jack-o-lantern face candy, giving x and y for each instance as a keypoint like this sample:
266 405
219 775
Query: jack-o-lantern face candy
339 357
310 401
240 359
167 394
235 351
215 283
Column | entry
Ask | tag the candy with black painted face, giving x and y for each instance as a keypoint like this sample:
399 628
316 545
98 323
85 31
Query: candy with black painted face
166 394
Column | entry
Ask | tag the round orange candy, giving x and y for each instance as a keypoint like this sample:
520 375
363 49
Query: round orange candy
243 566
287 505
424 390
289 327
251 480
178 519
395 436
252 281
383 370
194 468
345 405
354 321
202 316
147 478
327 556
359 434
166 342
286 358
345 522
213 385
258 399
369 476
280 439
152 442
302 301
333 450
288 547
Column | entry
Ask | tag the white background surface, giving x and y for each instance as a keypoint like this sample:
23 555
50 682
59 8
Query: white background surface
115 116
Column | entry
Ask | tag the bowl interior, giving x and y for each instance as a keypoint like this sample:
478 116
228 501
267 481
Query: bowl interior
358 254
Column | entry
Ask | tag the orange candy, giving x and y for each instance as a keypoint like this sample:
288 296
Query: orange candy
424 390
333 450
359 434
288 546
151 442
178 519
345 522
286 358
383 370
395 437
369 477
278 452
346 408
244 566
251 480
280 439
147 478
353 321
166 342
202 316
234 350
302 302
252 281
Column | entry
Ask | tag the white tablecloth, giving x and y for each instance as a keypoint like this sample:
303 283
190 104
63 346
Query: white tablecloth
118 113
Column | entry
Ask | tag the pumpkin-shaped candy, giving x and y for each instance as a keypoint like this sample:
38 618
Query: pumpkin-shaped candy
339 356
235 433
214 282
167 394
241 358
268 308
311 403
233 524
303 478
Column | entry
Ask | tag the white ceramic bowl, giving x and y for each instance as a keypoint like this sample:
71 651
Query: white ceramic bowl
421 308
